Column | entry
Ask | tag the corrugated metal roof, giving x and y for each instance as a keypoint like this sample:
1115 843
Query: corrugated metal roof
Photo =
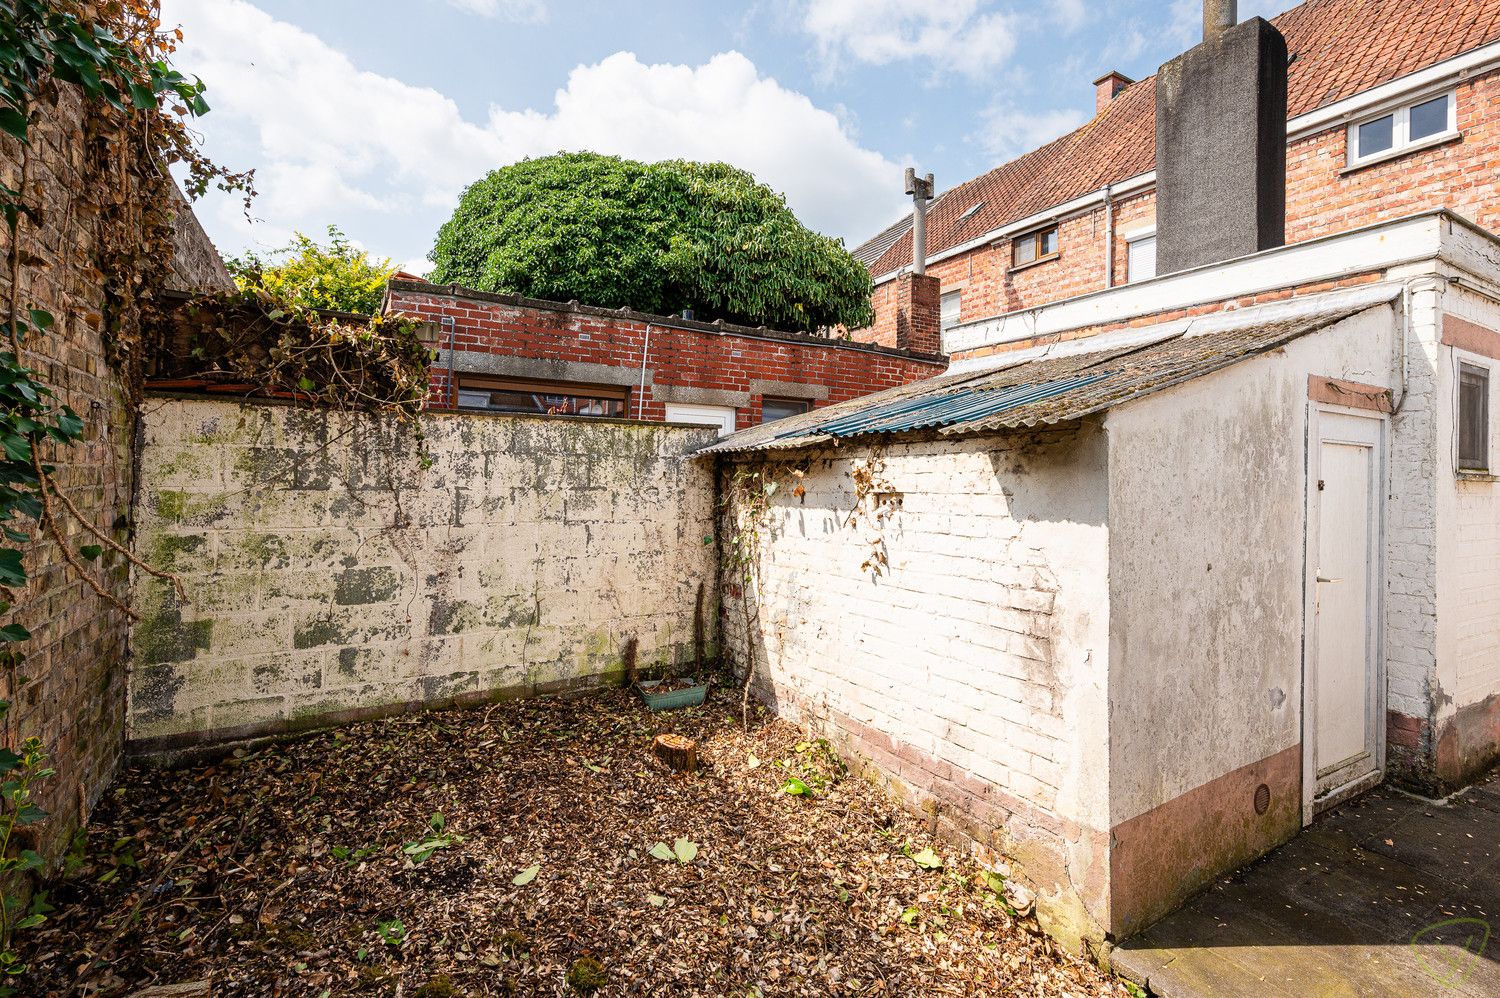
1041 390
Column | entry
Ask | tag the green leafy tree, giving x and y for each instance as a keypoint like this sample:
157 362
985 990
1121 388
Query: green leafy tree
338 276
658 237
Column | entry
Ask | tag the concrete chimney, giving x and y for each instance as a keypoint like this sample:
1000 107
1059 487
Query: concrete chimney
1221 144
1107 87
918 295
1218 17
920 189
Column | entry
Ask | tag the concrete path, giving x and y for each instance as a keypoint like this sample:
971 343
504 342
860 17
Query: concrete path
1387 895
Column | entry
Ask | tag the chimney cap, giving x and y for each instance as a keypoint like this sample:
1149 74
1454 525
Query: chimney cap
1115 74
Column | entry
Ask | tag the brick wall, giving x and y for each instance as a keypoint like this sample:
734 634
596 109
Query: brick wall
961 671
332 576
686 362
1321 199
75 701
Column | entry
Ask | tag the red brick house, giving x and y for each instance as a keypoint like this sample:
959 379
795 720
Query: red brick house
505 353
1393 108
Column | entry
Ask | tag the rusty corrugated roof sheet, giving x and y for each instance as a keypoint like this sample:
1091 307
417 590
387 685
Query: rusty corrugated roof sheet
1339 48
1039 391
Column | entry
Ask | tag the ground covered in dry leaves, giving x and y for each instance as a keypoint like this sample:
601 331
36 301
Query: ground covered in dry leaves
509 851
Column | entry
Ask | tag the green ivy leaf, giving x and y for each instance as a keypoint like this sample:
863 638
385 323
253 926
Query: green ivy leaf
14 632
91 551
13 122
12 573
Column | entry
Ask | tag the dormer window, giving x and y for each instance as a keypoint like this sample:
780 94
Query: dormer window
1408 128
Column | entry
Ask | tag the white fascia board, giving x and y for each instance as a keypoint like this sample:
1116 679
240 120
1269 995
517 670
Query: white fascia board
1372 248
1439 76
1327 303
1434 78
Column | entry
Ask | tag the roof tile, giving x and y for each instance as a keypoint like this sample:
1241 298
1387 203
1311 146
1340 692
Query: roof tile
1339 48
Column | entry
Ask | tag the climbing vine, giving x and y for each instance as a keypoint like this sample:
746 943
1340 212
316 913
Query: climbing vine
875 502
746 499
113 224
269 344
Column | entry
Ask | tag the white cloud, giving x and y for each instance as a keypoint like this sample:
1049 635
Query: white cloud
334 143
1007 131
961 35
520 11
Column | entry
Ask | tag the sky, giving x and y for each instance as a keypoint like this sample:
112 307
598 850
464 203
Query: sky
374 115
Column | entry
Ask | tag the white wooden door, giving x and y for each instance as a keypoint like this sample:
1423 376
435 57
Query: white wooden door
1344 696
720 416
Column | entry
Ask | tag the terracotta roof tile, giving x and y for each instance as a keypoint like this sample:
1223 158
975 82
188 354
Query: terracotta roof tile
1339 48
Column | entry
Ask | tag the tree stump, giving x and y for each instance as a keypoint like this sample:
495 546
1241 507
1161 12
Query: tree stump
678 752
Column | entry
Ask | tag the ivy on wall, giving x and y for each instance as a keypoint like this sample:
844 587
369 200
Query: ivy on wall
115 56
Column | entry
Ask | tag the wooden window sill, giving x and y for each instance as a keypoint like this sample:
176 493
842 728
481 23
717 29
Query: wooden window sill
1035 263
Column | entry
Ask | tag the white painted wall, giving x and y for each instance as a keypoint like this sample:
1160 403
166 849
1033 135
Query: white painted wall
1207 517
982 646
1468 660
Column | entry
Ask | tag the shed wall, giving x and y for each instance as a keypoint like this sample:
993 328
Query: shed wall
1208 518
971 669
1464 722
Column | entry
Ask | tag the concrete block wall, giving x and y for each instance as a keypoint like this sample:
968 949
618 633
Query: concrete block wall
331 576
969 672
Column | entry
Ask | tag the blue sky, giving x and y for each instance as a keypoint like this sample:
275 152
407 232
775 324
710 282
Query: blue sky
374 115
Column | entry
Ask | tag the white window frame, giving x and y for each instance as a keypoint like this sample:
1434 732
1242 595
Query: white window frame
1132 237
1401 145
944 320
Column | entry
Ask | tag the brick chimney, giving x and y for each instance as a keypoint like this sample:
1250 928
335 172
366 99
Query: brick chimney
1221 144
1107 87
918 319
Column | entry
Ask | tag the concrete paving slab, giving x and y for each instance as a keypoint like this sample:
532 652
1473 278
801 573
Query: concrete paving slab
1388 895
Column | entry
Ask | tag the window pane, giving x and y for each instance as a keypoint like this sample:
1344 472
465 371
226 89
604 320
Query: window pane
948 309
774 409
1047 241
1141 261
1376 136
1025 250
1473 418
1429 118
541 402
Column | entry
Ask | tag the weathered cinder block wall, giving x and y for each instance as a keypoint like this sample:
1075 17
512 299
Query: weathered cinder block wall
331 576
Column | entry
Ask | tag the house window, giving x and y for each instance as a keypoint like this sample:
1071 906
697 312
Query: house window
774 409
1140 257
1473 418
948 309
1422 123
552 398
1034 247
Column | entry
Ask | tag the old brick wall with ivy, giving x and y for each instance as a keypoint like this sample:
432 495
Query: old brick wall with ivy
70 690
